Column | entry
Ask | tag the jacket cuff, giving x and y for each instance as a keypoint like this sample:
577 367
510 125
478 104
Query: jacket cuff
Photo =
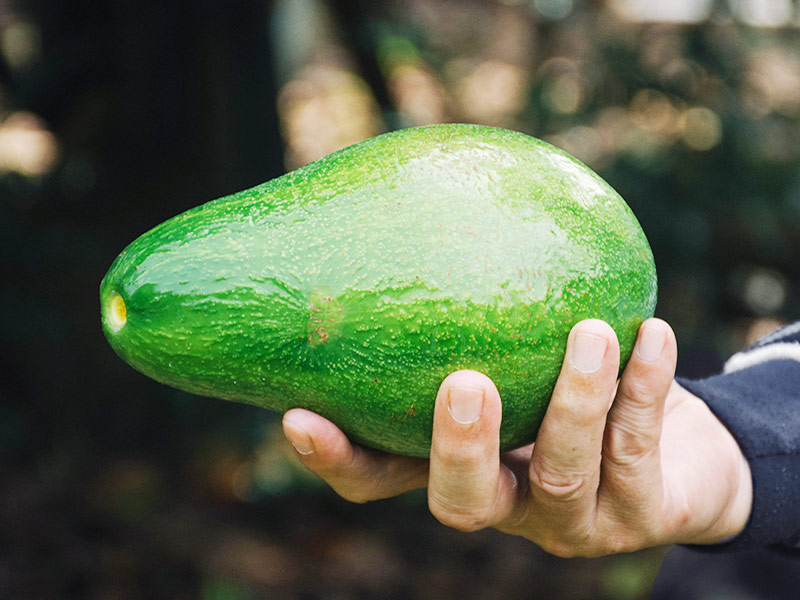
760 406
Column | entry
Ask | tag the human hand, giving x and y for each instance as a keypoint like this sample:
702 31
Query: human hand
617 465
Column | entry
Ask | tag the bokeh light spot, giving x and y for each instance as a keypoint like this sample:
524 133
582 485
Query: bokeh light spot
702 128
764 291
27 147
553 9
21 44
492 91
565 94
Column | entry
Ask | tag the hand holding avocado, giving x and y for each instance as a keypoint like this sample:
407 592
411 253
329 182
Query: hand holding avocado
346 291
617 465
353 286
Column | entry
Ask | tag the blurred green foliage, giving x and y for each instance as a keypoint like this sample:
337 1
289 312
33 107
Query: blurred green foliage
115 116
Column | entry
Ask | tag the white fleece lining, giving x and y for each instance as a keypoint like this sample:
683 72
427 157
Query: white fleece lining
757 356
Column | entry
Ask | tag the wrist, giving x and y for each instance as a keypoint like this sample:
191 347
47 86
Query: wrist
719 501
741 504
735 512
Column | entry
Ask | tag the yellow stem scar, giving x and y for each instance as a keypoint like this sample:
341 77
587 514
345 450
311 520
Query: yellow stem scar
117 312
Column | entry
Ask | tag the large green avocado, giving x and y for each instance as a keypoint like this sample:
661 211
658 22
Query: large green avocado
354 285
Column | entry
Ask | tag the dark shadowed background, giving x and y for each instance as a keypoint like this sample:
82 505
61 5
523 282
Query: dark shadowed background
117 115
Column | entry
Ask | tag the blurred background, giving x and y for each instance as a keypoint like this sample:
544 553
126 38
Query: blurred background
117 115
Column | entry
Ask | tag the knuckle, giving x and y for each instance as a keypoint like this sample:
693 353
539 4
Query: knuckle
462 518
565 546
639 390
579 408
464 455
460 522
561 550
639 379
592 540
588 546
356 495
558 487
627 447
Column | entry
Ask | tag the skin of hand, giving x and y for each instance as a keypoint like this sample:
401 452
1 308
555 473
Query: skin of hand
617 466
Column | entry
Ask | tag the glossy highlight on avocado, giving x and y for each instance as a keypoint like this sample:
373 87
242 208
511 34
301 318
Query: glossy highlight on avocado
354 285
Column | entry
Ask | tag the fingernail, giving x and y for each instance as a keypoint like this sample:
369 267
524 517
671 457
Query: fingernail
465 404
651 343
299 438
588 352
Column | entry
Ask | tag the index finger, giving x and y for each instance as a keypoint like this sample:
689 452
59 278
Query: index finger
356 473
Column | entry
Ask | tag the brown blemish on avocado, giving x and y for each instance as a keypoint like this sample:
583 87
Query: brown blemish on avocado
324 317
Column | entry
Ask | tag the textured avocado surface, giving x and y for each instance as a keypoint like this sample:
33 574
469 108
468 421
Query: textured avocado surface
354 285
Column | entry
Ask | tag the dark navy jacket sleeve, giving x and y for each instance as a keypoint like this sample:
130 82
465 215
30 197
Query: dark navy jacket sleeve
757 397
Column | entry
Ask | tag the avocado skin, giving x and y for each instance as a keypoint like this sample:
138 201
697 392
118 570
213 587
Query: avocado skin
354 285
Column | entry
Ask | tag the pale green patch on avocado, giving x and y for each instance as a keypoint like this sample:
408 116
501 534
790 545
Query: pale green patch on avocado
354 285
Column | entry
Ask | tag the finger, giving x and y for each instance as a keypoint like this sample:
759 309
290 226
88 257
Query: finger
631 468
356 473
468 488
565 465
